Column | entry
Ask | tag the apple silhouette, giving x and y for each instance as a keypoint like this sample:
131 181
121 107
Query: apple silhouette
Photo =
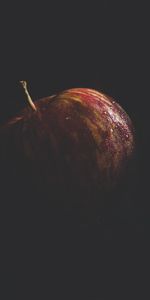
68 148
60 160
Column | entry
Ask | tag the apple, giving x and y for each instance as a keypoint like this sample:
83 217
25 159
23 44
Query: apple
62 152
67 148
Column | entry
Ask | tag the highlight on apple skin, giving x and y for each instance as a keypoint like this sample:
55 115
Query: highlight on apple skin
72 146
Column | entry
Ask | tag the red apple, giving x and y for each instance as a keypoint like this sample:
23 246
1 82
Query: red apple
71 146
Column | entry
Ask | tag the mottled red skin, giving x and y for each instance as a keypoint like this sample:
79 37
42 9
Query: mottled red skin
77 143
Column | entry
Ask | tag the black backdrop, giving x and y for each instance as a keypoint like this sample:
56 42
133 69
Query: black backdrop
105 46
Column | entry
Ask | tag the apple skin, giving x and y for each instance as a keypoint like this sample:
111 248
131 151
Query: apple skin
73 148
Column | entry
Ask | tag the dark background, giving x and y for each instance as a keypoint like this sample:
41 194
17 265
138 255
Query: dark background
105 46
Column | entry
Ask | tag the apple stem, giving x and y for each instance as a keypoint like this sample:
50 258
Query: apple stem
24 85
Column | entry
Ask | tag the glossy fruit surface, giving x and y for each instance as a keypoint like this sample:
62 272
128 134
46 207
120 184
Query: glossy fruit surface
75 145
